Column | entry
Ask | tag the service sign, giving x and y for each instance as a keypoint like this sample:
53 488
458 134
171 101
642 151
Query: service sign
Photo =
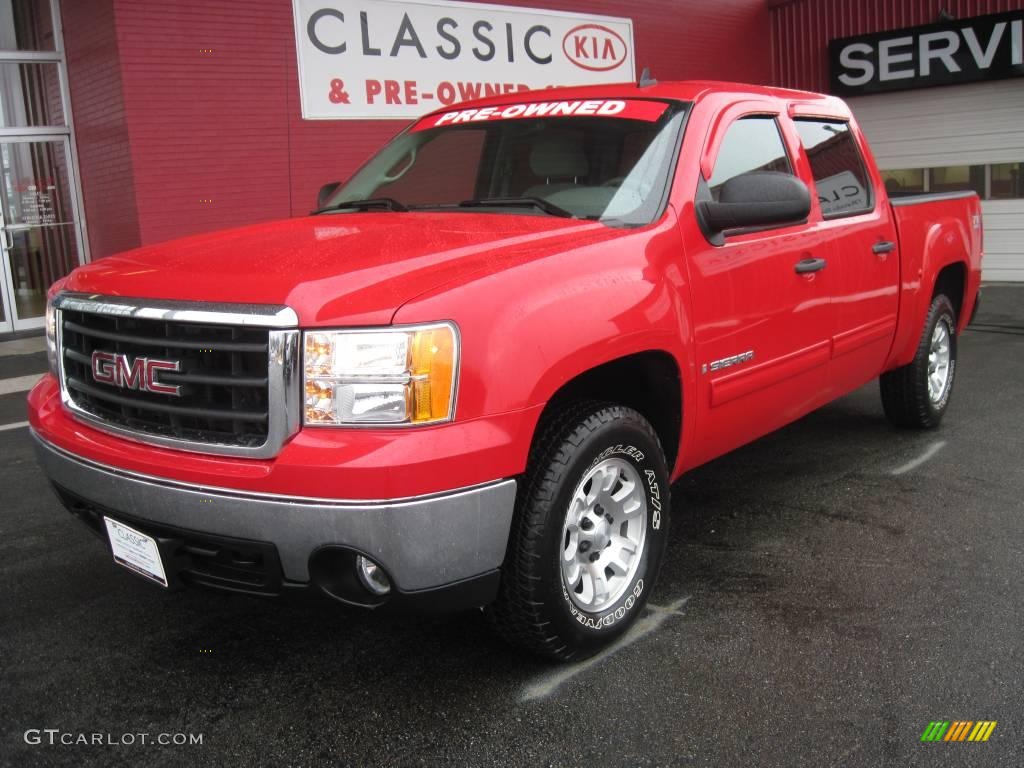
397 59
951 52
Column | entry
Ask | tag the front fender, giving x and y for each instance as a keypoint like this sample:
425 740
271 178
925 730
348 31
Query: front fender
535 325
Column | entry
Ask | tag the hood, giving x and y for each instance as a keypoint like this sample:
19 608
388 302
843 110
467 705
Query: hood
356 268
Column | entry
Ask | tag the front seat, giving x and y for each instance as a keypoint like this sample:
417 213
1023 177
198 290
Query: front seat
559 159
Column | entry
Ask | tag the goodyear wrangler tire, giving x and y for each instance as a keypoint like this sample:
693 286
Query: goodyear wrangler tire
917 394
588 532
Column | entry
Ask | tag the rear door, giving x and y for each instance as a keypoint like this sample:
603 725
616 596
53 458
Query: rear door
863 251
762 328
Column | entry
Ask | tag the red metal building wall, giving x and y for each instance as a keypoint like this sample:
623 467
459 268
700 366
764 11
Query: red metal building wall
801 29
101 129
211 124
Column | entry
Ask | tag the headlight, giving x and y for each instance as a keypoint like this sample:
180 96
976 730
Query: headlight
385 376
51 336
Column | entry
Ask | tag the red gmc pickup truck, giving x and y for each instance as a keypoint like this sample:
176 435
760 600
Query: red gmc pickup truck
471 375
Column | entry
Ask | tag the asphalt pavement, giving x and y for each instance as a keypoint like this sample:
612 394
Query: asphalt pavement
830 590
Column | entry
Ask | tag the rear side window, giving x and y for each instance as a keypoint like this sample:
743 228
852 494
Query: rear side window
837 166
750 144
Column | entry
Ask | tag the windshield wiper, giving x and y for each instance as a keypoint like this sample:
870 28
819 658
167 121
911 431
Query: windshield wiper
385 203
519 202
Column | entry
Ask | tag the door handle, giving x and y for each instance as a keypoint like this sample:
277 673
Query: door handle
883 246
804 266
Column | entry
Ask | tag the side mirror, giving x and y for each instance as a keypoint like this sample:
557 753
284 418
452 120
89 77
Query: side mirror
325 193
757 199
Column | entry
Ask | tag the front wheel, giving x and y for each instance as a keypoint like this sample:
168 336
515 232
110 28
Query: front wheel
917 394
588 532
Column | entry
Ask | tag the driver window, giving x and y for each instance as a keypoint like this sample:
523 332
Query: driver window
750 144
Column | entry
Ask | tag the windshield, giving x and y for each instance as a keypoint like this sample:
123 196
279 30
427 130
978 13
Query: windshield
607 160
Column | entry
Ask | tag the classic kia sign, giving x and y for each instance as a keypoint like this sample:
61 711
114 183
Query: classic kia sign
957 51
393 59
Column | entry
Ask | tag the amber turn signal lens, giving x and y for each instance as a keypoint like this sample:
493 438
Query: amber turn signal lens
433 371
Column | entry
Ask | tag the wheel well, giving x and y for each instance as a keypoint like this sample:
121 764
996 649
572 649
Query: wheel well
952 281
647 382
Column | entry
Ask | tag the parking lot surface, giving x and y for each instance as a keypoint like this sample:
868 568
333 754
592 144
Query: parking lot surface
829 590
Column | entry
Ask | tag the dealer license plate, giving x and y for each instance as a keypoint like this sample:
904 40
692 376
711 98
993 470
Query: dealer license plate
136 551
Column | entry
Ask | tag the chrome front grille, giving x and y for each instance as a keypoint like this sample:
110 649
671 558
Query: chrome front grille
237 379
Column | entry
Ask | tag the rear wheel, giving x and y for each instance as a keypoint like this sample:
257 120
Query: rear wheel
917 394
588 533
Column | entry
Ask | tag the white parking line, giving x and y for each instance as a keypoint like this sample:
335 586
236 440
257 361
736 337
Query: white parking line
19 383
915 463
15 425
656 616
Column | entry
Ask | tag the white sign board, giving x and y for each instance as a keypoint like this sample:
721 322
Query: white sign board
37 206
135 551
399 59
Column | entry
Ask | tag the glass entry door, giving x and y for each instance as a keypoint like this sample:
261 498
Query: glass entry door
41 223
40 239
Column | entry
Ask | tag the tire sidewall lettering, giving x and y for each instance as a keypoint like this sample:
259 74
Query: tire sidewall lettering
623 608
654 498
630 451
612 617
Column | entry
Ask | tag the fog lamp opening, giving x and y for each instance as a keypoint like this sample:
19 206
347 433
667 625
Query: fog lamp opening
372 576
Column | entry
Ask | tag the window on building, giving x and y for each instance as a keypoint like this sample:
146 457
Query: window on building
26 25
838 169
750 144
30 94
958 178
1007 181
904 181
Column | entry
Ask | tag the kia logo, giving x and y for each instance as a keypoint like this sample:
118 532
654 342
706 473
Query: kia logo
594 47
119 370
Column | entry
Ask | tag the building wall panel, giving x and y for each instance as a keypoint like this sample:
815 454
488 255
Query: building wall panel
205 85
1004 239
101 127
211 133
954 125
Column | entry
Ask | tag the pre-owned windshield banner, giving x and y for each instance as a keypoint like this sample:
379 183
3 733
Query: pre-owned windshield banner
398 59
631 109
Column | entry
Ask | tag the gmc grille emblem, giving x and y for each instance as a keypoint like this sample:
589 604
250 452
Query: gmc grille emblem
119 370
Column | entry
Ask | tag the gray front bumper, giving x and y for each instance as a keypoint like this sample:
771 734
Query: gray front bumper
422 543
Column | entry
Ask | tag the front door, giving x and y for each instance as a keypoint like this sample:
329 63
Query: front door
761 301
40 239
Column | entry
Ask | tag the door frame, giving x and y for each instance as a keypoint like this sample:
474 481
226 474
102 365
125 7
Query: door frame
7 287
48 133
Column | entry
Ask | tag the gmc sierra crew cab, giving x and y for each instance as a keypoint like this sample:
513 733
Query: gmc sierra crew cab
470 376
